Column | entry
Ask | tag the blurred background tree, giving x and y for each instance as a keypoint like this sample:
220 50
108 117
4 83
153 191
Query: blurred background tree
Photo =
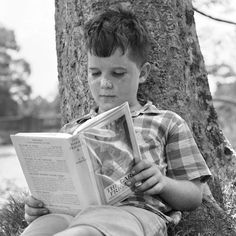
14 89
41 106
18 110
225 104
217 40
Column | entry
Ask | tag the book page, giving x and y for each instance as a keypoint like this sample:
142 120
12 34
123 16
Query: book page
47 172
42 134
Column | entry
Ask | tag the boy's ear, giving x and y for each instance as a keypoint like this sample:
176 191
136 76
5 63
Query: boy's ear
144 72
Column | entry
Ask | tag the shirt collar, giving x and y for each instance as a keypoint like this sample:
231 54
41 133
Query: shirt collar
148 108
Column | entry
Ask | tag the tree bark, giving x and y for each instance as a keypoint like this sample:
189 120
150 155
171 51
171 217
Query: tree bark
178 82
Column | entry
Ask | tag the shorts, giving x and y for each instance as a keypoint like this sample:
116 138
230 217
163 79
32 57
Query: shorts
109 220
123 220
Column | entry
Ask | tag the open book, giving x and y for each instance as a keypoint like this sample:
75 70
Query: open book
69 172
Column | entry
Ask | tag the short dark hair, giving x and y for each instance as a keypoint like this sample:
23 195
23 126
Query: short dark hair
117 28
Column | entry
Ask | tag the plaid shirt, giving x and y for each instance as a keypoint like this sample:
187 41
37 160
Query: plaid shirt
164 138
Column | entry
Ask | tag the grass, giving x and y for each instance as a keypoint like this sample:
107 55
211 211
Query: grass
12 221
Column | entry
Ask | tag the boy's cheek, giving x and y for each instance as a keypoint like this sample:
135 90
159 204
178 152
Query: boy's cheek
94 87
93 83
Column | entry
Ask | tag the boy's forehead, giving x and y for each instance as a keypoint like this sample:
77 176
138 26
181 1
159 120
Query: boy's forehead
116 58
116 52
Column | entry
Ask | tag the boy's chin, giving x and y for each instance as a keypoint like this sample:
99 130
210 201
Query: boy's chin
107 106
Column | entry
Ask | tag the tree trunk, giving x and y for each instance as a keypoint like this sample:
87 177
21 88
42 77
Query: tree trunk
178 82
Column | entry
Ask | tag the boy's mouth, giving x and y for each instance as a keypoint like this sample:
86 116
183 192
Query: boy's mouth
106 95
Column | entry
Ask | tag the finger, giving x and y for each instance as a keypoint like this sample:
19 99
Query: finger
33 202
141 165
143 175
156 189
148 184
31 211
29 219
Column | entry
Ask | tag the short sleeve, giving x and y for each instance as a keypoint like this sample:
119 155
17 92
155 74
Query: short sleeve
184 160
69 127
73 125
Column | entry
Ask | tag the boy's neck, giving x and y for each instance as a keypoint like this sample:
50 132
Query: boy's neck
133 108
136 107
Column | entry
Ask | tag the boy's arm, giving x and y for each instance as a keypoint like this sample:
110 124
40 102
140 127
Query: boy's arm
179 194
183 195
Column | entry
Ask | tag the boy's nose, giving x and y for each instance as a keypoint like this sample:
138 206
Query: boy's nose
106 83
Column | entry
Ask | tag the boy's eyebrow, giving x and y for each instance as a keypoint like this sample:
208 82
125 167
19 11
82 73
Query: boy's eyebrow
113 68
119 68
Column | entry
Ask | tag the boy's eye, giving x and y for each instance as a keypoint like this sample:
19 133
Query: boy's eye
95 74
118 74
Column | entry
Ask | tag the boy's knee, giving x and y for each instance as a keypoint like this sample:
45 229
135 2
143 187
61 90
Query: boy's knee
80 231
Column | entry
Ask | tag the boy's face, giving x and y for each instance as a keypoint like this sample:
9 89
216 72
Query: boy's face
114 80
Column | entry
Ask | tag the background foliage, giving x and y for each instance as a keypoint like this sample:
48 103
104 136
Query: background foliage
217 41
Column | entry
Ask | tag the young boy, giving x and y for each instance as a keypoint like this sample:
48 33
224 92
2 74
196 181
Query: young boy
171 173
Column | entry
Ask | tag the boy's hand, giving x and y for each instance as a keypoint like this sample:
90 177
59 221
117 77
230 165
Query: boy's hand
183 195
33 209
147 178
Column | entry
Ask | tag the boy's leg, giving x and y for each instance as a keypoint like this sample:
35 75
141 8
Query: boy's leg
81 231
48 225
116 221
